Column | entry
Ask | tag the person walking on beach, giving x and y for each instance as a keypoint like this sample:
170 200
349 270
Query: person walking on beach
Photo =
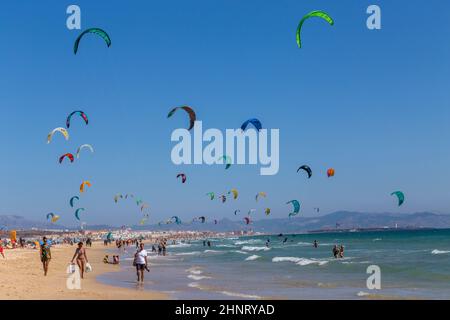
1 249
45 254
140 261
80 255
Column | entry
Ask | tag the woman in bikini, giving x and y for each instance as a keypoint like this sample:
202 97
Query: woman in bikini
80 255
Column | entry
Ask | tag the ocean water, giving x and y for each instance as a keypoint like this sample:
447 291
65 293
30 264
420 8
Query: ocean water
414 265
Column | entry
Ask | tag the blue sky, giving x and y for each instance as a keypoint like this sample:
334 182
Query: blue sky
371 104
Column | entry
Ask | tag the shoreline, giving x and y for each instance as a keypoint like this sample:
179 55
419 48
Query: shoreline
23 277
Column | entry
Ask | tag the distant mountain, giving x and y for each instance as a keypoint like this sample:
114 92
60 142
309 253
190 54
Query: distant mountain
344 220
9 222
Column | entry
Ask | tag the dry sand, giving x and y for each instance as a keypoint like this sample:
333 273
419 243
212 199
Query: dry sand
22 277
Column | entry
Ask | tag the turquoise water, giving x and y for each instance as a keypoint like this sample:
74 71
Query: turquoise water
414 264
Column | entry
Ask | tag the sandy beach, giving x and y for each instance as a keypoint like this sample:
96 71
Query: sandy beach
22 277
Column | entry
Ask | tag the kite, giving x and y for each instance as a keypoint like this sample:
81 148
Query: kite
129 195
202 219
190 112
53 216
139 202
144 206
227 160
235 193
117 197
307 169
67 155
211 195
247 220
251 211
296 206
63 131
401 197
81 113
83 147
176 220
320 14
223 198
72 200
268 211
85 183
330 173
183 177
77 213
236 212
255 122
96 31
260 194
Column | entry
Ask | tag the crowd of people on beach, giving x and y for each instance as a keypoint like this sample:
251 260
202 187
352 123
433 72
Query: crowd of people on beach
159 247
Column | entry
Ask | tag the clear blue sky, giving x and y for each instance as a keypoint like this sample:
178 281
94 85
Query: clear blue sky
372 104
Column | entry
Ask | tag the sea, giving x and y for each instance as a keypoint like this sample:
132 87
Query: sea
412 265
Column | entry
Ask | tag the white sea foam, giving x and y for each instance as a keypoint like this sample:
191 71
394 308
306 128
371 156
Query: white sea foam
194 285
251 241
194 270
377 239
439 252
179 245
241 252
192 253
239 295
356 262
253 258
286 259
225 246
362 294
226 293
300 261
212 251
248 248
197 278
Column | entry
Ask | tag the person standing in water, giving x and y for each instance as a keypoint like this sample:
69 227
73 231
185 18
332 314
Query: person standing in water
316 244
45 254
140 261
341 251
335 251
80 255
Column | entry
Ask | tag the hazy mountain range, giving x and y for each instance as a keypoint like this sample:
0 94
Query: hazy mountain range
340 219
